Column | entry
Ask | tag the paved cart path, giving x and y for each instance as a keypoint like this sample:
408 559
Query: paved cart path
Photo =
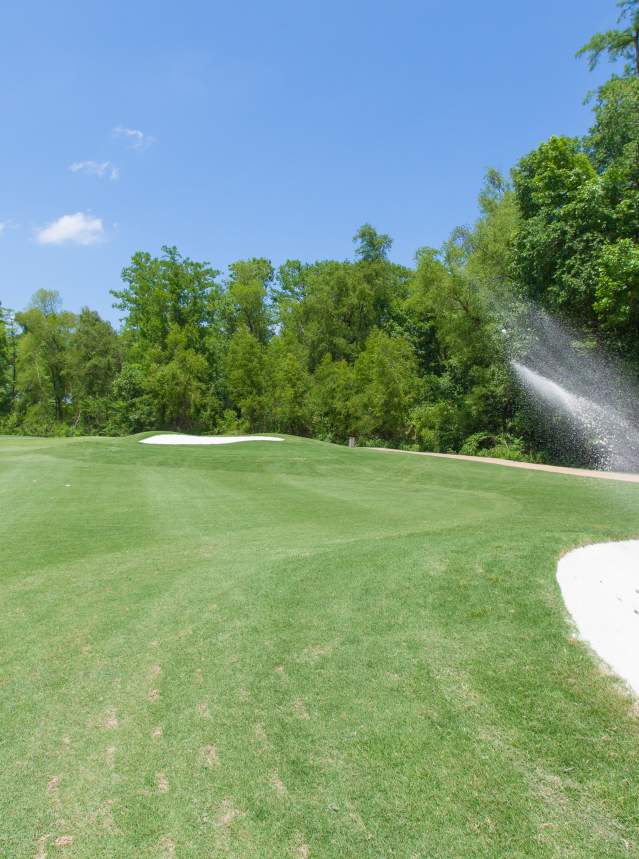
533 466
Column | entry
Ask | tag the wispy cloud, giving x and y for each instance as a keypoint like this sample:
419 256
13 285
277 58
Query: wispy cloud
7 225
136 139
80 229
101 169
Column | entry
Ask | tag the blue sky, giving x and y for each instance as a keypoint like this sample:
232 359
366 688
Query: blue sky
265 129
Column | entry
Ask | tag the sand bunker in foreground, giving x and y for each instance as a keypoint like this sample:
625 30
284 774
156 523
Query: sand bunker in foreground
177 438
600 586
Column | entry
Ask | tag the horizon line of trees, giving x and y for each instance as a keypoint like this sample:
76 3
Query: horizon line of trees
365 347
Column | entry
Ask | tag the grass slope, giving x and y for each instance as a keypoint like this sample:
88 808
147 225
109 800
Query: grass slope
300 650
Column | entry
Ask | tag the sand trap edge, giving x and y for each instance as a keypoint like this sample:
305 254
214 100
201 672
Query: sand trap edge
600 588
182 439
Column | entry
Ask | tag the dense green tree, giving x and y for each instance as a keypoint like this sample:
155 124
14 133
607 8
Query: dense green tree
371 246
167 292
93 361
457 307
246 300
290 285
183 393
246 379
617 293
576 244
332 400
287 387
43 378
8 342
173 331
94 355
614 134
564 219
466 387
386 384
331 307
491 243
133 408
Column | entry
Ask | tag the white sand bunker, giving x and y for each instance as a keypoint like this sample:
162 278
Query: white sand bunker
600 586
178 438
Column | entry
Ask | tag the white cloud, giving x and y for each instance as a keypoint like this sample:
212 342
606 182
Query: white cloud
137 139
81 229
96 168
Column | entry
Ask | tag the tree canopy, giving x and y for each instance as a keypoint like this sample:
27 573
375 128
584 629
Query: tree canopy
410 356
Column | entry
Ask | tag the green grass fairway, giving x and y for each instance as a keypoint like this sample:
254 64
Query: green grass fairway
299 650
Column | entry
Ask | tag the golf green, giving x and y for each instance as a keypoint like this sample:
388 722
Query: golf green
300 650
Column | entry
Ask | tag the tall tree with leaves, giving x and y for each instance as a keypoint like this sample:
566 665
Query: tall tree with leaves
387 385
93 361
172 332
8 349
576 248
371 245
164 293
43 356
618 44
332 306
245 378
287 383
246 302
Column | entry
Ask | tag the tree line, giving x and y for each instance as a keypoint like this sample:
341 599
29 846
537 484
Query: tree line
406 356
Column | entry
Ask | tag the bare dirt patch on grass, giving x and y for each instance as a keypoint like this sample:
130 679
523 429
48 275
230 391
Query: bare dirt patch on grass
167 848
210 757
110 721
260 736
227 813
278 785
315 652
41 850
300 709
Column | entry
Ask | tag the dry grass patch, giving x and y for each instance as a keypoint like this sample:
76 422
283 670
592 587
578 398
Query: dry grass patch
227 813
209 756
